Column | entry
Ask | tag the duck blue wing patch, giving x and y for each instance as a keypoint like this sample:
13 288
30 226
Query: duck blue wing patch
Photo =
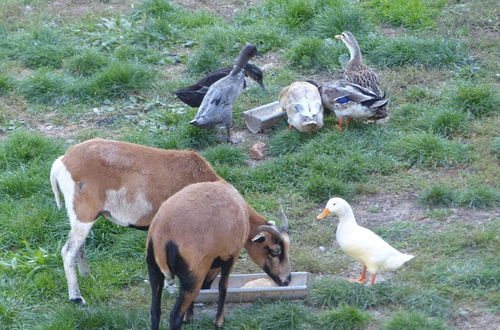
343 99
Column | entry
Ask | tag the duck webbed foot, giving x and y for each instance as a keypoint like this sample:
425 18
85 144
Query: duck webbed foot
348 123
340 121
230 139
362 279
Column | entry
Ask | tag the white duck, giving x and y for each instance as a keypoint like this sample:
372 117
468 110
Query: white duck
302 103
362 244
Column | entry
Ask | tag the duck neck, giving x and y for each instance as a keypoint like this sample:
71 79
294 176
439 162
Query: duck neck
347 218
240 63
355 53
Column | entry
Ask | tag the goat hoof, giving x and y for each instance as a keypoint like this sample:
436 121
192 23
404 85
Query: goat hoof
78 300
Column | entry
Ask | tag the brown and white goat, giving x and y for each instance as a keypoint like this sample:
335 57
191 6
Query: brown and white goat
124 182
199 232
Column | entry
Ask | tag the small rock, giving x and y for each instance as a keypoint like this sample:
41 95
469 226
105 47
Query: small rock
257 151
463 313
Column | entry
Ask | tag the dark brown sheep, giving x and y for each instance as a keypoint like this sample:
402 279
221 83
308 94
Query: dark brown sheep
199 232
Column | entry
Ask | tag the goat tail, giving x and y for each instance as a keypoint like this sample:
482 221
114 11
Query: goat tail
53 181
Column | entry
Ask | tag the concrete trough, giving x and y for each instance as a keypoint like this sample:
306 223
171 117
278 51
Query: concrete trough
297 289
263 117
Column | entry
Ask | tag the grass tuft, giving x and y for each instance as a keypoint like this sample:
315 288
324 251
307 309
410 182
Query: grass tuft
326 292
478 100
495 147
287 141
473 274
447 123
204 60
86 63
48 87
225 154
40 47
408 13
295 14
427 52
119 79
279 315
23 147
438 195
6 82
344 317
337 19
93 318
314 54
429 150
413 321
154 8
479 196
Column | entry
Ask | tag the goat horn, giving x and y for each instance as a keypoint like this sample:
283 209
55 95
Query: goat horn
284 221
271 230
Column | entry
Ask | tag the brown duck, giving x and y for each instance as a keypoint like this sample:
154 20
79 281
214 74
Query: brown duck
356 71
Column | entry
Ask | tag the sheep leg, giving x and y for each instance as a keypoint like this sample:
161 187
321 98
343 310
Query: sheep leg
226 268
77 236
207 283
82 263
187 293
156 280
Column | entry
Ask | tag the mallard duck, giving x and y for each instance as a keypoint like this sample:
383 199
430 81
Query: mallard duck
355 71
362 244
193 95
349 100
217 106
302 103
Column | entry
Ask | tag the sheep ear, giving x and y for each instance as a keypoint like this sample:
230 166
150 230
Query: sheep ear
259 238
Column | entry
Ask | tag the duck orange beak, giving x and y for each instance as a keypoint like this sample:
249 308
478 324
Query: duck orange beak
323 214
337 36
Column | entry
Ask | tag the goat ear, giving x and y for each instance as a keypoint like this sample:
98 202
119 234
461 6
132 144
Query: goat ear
259 238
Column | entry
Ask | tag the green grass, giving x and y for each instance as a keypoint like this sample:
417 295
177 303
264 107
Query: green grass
225 154
438 195
408 13
480 197
119 79
477 100
86 63
6 82
345 317
48 87
332 293
66 69
314 54
24 147
337 19
413 321
415 51
429 150
39 47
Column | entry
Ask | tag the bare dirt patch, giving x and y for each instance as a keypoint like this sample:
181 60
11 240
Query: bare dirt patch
225 8
78 8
